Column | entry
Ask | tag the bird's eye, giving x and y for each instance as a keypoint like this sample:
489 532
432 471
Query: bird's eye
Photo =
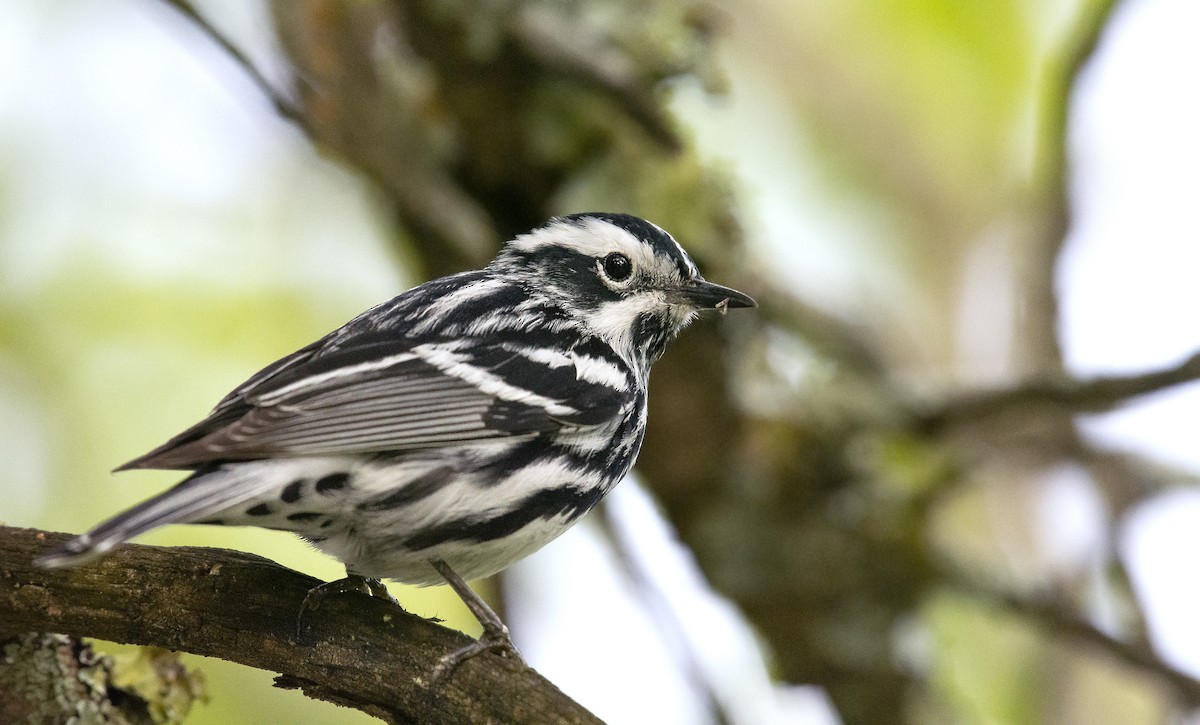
618 267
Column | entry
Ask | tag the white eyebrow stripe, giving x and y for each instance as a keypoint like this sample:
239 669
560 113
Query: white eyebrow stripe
590 238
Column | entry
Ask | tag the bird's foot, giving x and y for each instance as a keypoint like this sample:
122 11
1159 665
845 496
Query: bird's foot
350 583
493 639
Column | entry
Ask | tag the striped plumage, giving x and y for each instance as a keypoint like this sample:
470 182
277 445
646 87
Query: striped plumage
468 421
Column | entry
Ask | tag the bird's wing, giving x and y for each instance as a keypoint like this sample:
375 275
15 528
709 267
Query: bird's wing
387 395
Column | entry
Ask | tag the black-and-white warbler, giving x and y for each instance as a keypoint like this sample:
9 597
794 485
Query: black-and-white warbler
452 430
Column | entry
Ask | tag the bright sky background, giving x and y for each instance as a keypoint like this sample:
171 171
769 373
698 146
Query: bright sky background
1130 295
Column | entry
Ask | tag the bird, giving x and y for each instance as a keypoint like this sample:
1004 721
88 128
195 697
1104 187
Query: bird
444 434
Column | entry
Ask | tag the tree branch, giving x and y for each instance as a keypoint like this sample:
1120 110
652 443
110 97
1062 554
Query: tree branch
1057 619
283 106
1079 396
355 651
575 49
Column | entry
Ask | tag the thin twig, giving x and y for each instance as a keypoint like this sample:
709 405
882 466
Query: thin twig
283 106
1075 396
659 608
1041 337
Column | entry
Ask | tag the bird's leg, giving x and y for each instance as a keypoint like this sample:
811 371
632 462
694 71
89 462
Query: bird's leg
350 583
495 635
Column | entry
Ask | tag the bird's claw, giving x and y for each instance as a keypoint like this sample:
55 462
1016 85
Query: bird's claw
493 640
351 583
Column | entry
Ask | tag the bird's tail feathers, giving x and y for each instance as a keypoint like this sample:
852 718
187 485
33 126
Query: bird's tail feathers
195 498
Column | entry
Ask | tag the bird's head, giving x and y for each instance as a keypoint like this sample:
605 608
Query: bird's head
624 279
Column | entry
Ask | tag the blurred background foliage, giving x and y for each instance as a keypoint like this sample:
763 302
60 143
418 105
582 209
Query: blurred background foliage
890 179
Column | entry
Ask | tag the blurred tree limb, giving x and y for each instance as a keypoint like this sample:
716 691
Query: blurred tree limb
1058 620
1093 395
464 95
1048 198
283 106
355 651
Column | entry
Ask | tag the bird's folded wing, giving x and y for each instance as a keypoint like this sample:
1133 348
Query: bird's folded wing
385 397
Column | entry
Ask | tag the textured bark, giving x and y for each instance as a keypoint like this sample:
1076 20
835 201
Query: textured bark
50 677
354 651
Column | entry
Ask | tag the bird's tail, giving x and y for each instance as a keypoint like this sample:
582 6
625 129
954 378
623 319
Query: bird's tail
196 498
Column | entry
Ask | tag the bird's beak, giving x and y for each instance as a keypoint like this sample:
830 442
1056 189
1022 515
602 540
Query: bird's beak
705 295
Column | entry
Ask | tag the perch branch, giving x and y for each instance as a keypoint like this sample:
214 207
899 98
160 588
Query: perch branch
358 652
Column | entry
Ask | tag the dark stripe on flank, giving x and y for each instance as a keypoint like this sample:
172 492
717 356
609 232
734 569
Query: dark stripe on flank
546 504
421 487
291 492
532 451
332 482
